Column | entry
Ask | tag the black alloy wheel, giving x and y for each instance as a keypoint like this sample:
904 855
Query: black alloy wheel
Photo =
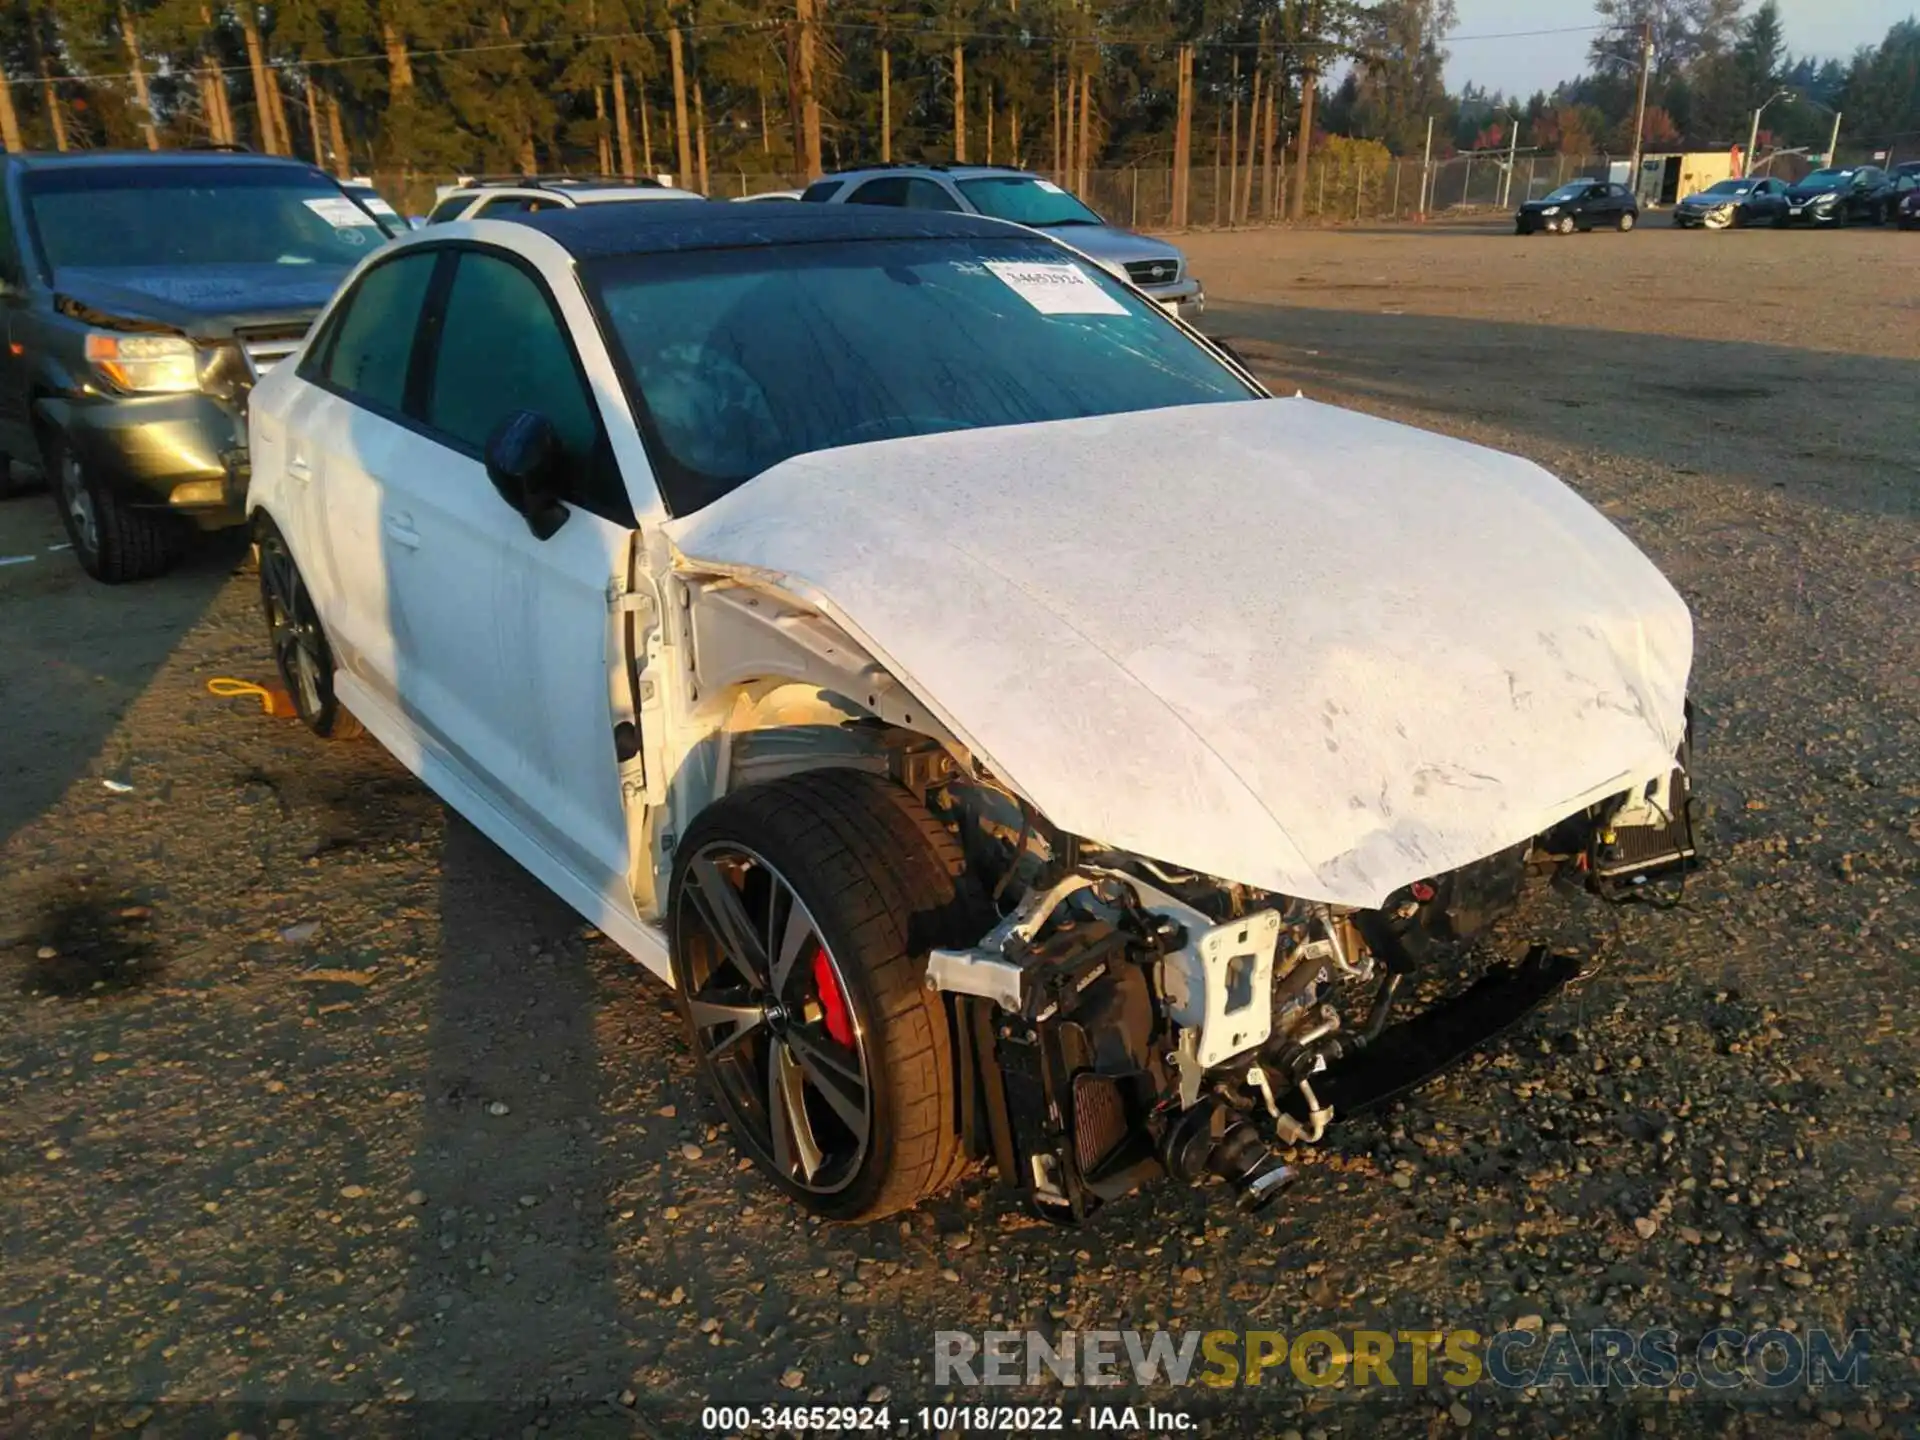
772 1021
300 650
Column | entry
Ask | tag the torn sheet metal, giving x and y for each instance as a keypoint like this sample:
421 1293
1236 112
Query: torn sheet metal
1275 641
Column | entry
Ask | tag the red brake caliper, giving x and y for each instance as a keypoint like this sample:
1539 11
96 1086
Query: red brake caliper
833 999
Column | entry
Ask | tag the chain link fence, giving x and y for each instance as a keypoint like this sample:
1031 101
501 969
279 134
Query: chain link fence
1366 188
1337 190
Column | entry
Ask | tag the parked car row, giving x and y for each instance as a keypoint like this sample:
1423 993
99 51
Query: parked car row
1843 195
1835 196
146 294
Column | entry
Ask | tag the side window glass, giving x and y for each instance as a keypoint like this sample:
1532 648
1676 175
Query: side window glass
820 191
512 205
448 209
372 342
502 348
926 195
890 191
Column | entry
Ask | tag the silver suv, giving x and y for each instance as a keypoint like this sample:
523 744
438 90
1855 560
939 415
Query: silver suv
1004 193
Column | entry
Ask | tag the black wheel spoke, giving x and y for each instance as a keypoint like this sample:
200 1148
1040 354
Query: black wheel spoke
837 1081
740 1016
793 1142
788 929
725 912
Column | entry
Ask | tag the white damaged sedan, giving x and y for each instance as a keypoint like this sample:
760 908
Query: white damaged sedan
1014 734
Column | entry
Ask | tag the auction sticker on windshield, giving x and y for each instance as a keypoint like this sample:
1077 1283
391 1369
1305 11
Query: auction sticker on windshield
340 212
1056 287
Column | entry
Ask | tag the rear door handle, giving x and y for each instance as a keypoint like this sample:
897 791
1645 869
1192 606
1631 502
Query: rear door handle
400 530
298 467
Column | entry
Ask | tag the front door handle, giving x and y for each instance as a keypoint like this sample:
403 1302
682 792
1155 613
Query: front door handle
400 530
298 468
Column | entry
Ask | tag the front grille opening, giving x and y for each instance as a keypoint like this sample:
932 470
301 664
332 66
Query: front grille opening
1153 272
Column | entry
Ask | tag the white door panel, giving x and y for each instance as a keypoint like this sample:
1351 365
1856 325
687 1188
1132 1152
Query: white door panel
353 454
503 659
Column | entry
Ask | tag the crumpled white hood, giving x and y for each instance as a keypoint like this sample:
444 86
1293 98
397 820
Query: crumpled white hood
1275 641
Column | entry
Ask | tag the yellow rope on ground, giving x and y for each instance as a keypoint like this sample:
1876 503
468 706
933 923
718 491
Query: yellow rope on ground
273 701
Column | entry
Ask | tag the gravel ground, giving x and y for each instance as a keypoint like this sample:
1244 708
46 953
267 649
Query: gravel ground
316 1111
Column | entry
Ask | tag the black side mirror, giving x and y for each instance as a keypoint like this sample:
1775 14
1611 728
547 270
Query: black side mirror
523 461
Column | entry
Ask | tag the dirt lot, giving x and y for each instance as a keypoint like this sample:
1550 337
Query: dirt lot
311 1102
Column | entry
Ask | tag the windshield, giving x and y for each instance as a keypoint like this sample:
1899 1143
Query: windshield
1730 187
1026 200
1569 192
738 359
388 217
168 216
1826 179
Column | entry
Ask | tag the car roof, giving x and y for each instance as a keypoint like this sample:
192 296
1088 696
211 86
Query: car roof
952 172
667 226
574 194
600 194
121 159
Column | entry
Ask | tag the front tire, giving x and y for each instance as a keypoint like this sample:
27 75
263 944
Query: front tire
300 650
114 542
800 917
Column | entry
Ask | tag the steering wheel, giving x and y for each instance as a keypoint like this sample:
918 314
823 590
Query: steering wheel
895 427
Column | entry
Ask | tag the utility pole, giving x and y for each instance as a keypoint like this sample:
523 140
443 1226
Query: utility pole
959 102
1426 171
1513 150
1182 138
1640 105
1833 144
1753 136
807 16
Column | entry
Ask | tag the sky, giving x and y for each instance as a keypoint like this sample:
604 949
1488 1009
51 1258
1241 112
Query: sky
1525 63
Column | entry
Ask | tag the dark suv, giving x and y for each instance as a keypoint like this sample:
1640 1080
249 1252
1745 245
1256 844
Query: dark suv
143 294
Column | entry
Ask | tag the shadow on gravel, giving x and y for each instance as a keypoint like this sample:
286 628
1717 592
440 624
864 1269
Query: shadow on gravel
511 1288
1823 427
78 654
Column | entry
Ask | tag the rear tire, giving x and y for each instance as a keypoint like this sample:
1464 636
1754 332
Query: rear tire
842 882
1627 221
114 542
300 650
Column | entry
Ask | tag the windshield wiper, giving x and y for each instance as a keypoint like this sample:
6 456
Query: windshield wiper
1054 224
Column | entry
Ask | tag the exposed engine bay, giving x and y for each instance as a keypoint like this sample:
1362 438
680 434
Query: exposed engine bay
1225 797
1125 1020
